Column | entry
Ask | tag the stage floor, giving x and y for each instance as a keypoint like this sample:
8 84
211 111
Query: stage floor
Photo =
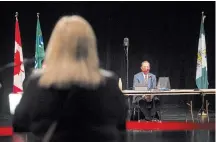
170 113
174 136
182 113
155 136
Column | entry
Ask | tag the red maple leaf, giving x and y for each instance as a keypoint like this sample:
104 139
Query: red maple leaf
18 63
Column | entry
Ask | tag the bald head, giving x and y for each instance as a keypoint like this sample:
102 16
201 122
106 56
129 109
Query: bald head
145 67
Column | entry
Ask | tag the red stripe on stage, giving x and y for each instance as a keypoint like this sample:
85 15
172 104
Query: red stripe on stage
168 126
6 131
134 125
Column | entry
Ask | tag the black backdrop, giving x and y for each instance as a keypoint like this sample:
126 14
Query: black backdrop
165 33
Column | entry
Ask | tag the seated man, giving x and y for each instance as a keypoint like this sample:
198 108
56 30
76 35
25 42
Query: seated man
148 103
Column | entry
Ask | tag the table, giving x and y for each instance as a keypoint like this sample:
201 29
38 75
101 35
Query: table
170 92
202 92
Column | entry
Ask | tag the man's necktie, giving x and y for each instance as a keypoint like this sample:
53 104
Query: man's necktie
146 80
147 97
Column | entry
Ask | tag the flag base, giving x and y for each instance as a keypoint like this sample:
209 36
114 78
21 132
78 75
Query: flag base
202 113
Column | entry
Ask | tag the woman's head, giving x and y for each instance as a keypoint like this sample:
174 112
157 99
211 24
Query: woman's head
71 55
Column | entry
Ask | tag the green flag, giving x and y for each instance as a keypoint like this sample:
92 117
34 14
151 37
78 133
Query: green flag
201 71
39 49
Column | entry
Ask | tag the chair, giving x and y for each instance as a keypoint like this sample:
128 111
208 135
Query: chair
158 112
135 108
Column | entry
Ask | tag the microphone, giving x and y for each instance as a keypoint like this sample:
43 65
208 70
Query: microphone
28 61
12 64
126 42
24 62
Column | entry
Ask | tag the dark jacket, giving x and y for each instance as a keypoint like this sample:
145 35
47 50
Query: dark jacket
90 115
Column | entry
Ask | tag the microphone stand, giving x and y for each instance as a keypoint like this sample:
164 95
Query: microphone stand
127 82
126 47
127 67
129 98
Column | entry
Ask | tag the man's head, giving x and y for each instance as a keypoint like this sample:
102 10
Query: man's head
145 67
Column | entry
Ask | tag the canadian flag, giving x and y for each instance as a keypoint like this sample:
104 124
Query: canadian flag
19 71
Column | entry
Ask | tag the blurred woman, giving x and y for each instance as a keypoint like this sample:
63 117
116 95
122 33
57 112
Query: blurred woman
72 90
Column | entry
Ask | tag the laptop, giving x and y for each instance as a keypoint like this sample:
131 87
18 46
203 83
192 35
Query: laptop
140 87
163 83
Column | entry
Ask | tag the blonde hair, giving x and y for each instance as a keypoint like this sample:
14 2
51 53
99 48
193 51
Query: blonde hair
71 55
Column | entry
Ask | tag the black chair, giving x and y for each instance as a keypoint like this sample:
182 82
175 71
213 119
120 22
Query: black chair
135 109
155 101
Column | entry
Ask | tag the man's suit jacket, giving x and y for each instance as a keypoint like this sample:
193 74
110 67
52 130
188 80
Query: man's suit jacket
139 80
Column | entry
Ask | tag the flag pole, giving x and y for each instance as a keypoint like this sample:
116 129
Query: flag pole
203 16
16 15
36 58
202 109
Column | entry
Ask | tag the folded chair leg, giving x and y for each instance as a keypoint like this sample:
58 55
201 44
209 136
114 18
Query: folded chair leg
159 113
138 115
134 113
207 105
191 108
